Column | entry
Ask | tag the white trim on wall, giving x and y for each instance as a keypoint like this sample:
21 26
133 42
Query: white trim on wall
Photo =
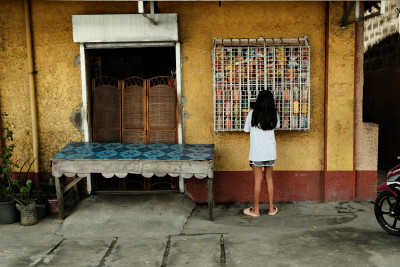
86 125
85 114
121 28
179 91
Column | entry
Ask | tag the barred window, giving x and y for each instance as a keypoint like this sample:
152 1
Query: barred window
244 67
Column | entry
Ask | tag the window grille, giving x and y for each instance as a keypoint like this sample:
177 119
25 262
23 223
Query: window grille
244 67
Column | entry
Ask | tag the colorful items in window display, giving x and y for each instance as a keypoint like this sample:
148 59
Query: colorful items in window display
242 71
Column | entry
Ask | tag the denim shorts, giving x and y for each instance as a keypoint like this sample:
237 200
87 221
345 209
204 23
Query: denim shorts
262 163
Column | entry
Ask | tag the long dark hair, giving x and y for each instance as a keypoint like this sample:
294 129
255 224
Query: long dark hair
264 114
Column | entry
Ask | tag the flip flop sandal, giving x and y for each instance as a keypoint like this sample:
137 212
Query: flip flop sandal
249 213
273 213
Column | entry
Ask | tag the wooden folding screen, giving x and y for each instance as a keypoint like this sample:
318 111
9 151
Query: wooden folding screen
146 110
134 110
106 110
162 111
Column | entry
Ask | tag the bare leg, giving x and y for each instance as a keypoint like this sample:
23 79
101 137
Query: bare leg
270 187
257 171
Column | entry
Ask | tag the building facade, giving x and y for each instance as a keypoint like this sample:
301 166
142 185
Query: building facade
334 159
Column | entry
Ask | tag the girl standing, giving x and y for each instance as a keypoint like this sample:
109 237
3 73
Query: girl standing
260 123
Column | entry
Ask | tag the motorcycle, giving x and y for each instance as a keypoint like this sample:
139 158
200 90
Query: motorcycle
387 204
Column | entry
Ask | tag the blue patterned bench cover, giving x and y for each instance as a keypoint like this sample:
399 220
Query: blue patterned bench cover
79 150
119 159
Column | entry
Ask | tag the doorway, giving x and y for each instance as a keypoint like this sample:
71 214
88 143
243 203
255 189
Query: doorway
121 63
133 99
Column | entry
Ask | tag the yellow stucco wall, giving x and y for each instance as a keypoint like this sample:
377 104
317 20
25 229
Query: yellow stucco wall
14 93
58 81
297 150
341 92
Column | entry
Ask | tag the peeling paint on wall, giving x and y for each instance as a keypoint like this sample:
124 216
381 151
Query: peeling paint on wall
76 119
77 60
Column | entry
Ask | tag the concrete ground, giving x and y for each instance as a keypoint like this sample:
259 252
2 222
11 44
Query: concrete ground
169 229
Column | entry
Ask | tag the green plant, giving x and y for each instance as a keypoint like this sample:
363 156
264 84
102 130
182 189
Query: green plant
11 187
39 196
21 193
7 187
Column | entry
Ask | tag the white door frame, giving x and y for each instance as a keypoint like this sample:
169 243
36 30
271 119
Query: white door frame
86 88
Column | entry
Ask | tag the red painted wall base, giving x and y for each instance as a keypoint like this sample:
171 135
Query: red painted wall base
366 185
289 186
339 186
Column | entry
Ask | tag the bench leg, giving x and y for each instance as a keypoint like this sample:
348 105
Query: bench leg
181 184
89 184
76 190
60 198
210 199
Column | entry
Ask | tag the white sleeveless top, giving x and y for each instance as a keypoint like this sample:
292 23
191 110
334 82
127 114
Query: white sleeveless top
262 143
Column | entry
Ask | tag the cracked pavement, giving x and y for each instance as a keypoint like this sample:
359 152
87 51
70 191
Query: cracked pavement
169 229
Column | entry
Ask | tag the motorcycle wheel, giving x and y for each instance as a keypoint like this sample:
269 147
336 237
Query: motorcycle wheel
385 215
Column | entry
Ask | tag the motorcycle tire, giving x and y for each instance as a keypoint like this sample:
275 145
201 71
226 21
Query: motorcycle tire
384 214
